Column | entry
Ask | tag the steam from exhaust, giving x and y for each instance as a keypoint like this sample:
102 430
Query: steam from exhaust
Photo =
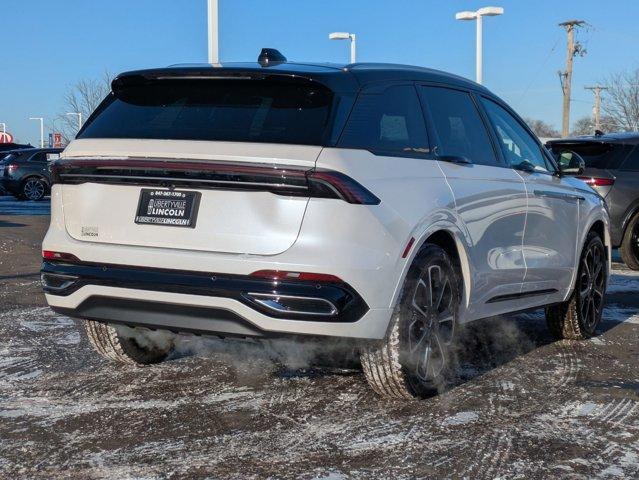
250 357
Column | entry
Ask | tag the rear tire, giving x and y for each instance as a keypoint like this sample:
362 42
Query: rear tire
579 316
629 248
416 357
109 343
33 188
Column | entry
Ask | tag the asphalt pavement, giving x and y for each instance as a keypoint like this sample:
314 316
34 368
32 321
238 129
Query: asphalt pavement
525 406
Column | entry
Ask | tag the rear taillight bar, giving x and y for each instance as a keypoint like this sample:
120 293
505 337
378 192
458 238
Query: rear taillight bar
598 181
283 180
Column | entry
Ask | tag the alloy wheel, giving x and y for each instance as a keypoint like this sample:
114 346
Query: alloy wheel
592 281
635 240
33 189
431 325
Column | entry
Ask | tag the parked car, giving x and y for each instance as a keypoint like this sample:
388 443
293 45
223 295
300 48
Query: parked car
612 168
380 204
25 173
5 147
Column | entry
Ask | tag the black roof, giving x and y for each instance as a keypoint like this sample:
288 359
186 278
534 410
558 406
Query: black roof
630 138
339 77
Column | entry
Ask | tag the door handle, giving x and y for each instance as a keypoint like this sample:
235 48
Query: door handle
559 195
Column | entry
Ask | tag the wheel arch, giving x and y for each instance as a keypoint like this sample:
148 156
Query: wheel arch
451 240
30 175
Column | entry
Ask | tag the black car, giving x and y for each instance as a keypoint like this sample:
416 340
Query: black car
612 168
5 147
25 173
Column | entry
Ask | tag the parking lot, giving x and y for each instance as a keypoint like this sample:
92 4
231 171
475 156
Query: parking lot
525 406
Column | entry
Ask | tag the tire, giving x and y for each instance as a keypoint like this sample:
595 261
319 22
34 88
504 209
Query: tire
578 317
629 248
109 343
33 188
416 358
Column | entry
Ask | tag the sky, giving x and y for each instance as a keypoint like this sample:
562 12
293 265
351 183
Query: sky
49 45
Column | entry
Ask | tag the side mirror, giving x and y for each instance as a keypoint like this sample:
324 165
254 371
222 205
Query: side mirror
570 163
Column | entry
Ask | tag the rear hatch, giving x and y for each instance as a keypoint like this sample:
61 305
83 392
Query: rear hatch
602 159
209 164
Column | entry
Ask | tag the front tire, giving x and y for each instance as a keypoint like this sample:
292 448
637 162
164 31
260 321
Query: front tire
579 316
416 358
111 344
629 248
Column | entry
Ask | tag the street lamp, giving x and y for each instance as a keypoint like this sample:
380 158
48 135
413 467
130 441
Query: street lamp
79 118
41 129
213 35
477 15
345 36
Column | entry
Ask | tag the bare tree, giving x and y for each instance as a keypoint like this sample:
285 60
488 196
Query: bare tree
621 104
583 126
82 97
542 129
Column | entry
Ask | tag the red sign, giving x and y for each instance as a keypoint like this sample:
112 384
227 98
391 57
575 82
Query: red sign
6 138
57 140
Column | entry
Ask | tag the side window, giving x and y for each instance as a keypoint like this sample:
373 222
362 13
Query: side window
632 162
519 146
459 127
389 123
39 157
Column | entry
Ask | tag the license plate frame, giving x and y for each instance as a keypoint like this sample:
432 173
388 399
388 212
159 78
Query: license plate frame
177 208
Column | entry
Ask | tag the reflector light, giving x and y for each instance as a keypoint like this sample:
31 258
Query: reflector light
12 167
408 247
50 255
598 181
300 276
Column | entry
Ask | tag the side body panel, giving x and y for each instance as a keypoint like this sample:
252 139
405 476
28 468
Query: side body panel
552 232
490 202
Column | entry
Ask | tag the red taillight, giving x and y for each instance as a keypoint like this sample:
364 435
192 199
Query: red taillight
50 255
12 167
341 185
300 276
598 181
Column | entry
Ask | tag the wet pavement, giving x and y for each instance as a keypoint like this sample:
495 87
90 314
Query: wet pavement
525 406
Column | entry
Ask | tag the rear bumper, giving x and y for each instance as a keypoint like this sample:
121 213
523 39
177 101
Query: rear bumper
208 303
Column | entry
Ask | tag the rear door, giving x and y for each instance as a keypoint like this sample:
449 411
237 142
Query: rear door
490 198
552 224
199 164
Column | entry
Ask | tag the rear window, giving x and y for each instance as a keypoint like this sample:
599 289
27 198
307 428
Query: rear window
223 110
597 155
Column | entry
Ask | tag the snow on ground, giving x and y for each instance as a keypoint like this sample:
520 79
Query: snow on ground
525 406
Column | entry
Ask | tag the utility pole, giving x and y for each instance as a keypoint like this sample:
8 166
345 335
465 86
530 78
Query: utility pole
212 21
565 77
596 109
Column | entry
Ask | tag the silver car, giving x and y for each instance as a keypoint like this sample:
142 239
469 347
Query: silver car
380 204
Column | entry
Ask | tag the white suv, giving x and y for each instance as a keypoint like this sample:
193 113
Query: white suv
385 204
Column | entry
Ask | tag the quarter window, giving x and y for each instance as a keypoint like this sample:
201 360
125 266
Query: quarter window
390 123
518 146
459 127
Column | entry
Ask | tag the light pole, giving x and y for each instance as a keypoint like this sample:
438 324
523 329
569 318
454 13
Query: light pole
477 15
346 36
79 114
214 54
41 129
